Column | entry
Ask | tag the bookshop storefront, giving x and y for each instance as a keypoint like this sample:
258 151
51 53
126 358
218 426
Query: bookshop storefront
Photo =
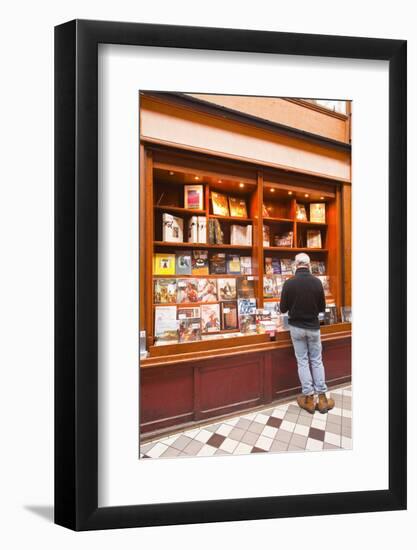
226 201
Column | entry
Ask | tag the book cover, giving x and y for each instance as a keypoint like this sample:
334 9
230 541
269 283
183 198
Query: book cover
284 239
187 291
207 290
210 318
318 267
164 264
241 234
202 229
229 315
233 264
219 204
314 238
211 233
199 262
183 263
165 291
318 212
166 324
270 287
346 314
172 229
218 232
273 308
247 323
189 330
245 288
193 197
184 312
268 266
218 263
237 207
326 284
246 265
246 306
226 289
276 266
279 283
287 267
193 229
266 235
300 213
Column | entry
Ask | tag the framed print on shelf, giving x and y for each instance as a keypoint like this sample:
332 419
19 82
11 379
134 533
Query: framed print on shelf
175 374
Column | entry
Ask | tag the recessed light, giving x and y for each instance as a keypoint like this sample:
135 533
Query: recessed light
241 184
306 195
272 190
196 177
171 173
219 181
290 192
322 198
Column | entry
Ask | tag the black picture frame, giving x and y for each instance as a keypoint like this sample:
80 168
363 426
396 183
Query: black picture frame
76 270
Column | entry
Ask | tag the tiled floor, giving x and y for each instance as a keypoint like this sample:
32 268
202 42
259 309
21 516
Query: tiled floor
282 428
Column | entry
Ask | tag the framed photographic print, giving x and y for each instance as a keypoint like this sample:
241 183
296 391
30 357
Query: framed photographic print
197 380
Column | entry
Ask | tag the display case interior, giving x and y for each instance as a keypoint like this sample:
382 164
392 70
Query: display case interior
220 240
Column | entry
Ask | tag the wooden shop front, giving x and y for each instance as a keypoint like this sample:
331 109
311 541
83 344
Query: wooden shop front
272 168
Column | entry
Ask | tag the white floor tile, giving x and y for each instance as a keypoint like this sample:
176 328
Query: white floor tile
318 421
269 431
203 436
346 413
301 429
157 450
346 442
224 429
242 449
207 450
333 439
264 443
261 418
314 445
229 445
288 426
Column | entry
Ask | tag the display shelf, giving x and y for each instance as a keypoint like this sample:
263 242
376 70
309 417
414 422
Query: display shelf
208 276
278 220
180 210
294 249
230 218
307 223
203 245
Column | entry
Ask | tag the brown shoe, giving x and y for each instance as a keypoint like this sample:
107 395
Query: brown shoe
324 404
306 402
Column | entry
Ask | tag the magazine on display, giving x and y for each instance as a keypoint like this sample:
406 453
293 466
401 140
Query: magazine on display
229 315
245 288
187 291
189 330
218 263
210 318
164 264
199 262
233 264
246 265
314 238
183 263
241 234
237 207
165 291
207 290
172 229
226 289
318 212
193 197
220 204
300 213
166 324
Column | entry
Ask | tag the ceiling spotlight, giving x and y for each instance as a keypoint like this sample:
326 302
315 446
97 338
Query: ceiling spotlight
306 195
196 177
219 181
290 192
241 184
272 190
322 198
171 173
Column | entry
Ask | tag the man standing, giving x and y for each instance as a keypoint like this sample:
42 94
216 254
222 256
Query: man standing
303 297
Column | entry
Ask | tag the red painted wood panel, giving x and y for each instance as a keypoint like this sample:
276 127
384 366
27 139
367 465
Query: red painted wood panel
230 384
166 397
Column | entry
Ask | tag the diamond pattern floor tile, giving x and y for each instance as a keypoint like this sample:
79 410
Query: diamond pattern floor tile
282 428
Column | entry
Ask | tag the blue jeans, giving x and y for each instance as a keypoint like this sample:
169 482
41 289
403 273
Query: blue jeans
307 349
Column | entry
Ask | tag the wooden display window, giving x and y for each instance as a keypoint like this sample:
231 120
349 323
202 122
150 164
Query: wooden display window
245 198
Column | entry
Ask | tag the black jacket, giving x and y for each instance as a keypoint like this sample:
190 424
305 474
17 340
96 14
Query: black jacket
303 297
